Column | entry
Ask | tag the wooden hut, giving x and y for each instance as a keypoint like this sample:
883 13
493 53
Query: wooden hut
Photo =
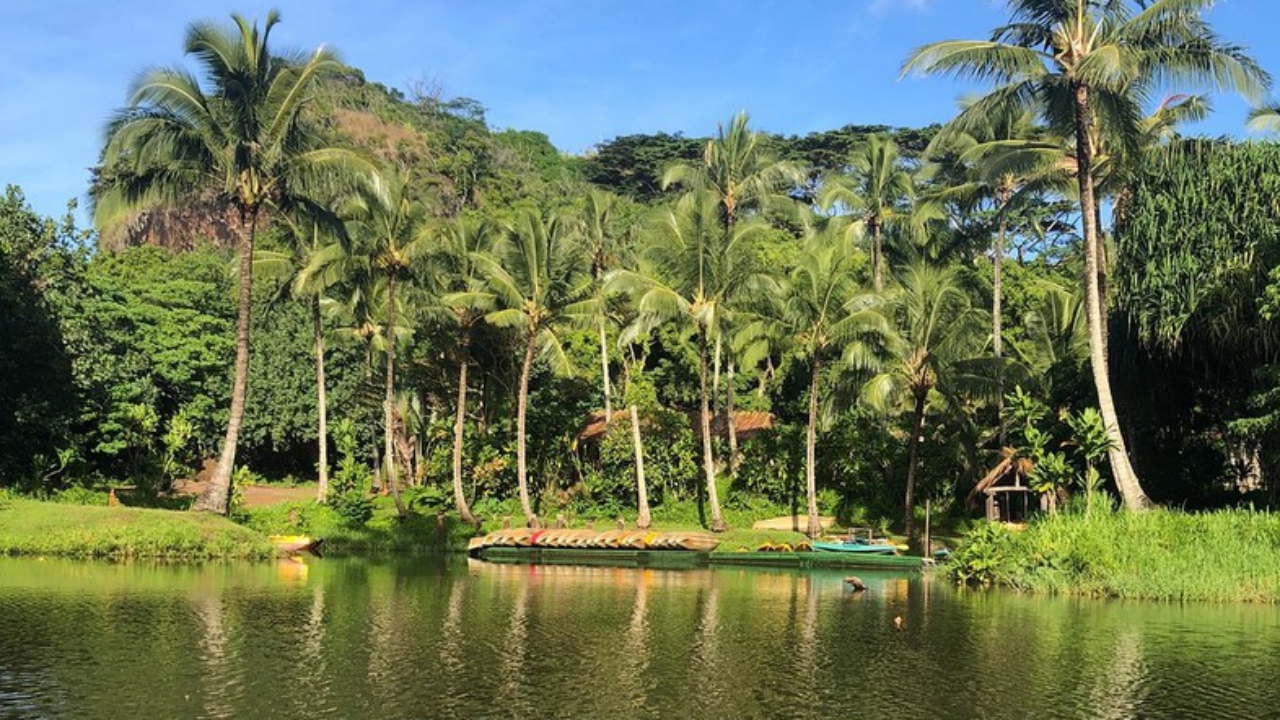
1005 491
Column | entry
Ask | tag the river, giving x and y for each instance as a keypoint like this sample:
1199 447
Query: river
451 638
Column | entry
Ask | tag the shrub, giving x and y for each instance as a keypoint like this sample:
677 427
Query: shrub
353 506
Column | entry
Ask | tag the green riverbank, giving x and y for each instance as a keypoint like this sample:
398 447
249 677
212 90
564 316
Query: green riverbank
1228 555
32 527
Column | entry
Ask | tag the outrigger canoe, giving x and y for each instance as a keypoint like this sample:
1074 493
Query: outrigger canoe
863 548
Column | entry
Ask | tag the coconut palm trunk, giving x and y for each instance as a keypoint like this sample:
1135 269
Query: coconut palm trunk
913 463
604 373
389 402
322 406
1126 480
997 289
877 255
728 419
522 402
459 428
217 496
643 520
810 452
708 457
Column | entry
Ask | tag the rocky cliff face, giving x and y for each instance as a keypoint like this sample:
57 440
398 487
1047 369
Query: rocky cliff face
180 228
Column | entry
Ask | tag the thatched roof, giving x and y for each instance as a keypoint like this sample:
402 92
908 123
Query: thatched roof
747 423
1011 469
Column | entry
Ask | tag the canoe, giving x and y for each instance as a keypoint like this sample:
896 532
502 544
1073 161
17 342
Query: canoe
855 548
699 542
293 544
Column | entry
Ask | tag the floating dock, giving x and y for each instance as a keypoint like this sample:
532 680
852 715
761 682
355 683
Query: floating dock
684 559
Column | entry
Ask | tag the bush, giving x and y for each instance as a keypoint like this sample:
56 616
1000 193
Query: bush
353 506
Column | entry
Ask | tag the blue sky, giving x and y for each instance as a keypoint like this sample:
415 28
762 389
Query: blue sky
581 71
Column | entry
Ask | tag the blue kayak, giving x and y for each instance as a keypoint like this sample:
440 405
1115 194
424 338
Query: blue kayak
863 548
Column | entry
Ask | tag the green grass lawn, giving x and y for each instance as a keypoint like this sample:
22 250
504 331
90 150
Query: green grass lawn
32 527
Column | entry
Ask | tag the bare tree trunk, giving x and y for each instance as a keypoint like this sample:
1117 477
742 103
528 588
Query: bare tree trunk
708 458
913 460
459 426
877 256
604 373
810 453
389 402
522 472
728 418
997 339
217 496
643 520
1126 480
322 405
715 380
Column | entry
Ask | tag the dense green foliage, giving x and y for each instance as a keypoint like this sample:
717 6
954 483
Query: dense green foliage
853 286
1197 252
1160 555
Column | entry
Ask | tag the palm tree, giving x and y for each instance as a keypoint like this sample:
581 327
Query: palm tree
238 136
817 311
604 247
934 333
310 233
1010 161
1085 67
878 192
1265 118
459 242
537 278
691 264
745 178
388 226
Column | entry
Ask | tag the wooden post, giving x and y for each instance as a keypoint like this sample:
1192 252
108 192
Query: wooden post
928 536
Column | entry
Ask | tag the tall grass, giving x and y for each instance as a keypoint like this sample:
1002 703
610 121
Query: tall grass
1228 555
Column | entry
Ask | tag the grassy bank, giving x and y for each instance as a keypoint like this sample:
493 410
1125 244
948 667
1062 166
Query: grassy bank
32 527
1230 555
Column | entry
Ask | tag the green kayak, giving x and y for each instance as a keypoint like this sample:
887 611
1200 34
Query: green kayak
861 548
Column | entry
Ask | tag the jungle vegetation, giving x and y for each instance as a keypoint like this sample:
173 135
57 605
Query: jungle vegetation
298 273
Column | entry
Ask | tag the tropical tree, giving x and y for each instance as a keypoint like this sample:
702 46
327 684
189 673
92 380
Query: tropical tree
309 233
238 137
1085 67
818 311
934 336
391 234
537 281
745 178
1265 118
690 264
455 270
878 193
603 244
1008 161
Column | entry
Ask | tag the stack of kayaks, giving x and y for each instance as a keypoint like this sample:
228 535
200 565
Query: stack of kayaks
592 540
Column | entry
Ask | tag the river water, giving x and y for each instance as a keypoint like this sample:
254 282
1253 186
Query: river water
451 638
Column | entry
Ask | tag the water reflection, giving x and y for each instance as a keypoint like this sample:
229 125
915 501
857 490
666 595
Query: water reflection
428 639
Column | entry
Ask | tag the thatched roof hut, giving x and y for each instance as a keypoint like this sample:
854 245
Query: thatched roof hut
1008 479
747 424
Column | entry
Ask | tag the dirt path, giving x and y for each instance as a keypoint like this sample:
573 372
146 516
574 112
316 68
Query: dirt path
254 495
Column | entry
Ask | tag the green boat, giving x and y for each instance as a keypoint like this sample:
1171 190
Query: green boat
855 547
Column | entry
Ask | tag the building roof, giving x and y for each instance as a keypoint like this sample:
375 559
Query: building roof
746 423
